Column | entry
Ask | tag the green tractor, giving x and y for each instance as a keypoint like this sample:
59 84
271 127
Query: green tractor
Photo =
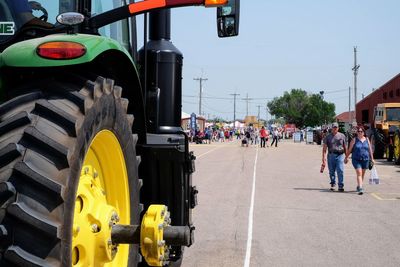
95 169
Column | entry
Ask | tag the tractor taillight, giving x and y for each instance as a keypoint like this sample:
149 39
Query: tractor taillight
61 50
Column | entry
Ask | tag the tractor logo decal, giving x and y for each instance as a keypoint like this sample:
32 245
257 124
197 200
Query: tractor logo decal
7 28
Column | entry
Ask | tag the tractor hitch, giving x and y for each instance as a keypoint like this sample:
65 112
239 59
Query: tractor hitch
155 235
130 234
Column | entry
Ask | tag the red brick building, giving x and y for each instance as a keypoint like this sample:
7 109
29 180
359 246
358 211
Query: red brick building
345 117
387 93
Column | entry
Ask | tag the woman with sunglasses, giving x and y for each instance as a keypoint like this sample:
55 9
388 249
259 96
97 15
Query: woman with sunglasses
361 151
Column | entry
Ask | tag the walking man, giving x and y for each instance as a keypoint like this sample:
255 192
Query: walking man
275 136
263 136
335 143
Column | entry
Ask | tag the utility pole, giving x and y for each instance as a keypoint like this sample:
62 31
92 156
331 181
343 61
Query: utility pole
234 108
258 116
247 99
201 79
266 114
355 70
350 106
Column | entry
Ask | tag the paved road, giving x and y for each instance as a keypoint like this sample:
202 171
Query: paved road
289 217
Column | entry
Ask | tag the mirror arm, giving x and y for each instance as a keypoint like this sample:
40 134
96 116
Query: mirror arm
138 8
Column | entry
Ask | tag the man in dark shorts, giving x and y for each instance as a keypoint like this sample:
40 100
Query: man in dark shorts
335 143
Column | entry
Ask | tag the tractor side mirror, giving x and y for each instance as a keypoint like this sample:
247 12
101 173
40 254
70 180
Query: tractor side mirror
228 19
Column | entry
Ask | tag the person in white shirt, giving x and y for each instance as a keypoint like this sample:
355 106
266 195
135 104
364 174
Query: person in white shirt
275 136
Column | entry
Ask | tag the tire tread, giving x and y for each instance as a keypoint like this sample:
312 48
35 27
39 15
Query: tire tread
54 151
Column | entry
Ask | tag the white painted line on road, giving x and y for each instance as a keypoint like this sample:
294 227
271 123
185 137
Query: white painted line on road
250 227
199 156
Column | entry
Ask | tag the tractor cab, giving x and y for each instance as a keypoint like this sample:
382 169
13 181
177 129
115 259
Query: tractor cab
23 19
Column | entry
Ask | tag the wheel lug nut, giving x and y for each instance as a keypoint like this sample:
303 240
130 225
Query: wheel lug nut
95 228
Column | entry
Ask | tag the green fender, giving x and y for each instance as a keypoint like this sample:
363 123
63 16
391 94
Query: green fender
23 54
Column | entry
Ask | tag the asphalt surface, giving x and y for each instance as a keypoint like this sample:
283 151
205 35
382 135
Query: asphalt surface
290 217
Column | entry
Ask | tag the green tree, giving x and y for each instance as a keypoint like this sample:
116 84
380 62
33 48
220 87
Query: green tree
218 119
302 109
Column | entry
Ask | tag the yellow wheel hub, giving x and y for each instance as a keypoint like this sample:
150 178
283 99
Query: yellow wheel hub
102 200
152 243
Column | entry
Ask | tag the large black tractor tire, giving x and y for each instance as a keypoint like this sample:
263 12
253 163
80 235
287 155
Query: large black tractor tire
44 137
396 147
378 139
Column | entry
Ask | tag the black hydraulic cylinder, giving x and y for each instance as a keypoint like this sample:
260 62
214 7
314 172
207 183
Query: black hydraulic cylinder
164 75
130 234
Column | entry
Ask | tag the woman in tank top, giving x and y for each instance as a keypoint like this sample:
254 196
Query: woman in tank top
361 151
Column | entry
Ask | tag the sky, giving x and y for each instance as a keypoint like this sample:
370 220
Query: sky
285 44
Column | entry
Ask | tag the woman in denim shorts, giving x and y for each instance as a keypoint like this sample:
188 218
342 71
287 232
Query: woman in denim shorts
361 151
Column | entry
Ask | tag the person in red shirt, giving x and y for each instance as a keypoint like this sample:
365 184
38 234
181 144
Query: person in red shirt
263 135
226 133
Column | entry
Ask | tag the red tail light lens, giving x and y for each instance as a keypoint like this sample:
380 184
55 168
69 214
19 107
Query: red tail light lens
61 50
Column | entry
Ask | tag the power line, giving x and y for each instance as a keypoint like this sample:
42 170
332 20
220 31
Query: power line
223 98
213 109
187 102
336 91
209 97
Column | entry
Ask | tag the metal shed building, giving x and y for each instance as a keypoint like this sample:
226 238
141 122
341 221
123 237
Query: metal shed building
387 93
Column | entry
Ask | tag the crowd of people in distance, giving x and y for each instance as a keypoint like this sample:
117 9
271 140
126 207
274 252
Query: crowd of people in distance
248 136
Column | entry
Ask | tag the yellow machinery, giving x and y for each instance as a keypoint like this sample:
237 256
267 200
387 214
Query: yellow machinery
386 134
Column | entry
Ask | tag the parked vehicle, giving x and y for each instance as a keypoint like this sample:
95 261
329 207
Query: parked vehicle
386 132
